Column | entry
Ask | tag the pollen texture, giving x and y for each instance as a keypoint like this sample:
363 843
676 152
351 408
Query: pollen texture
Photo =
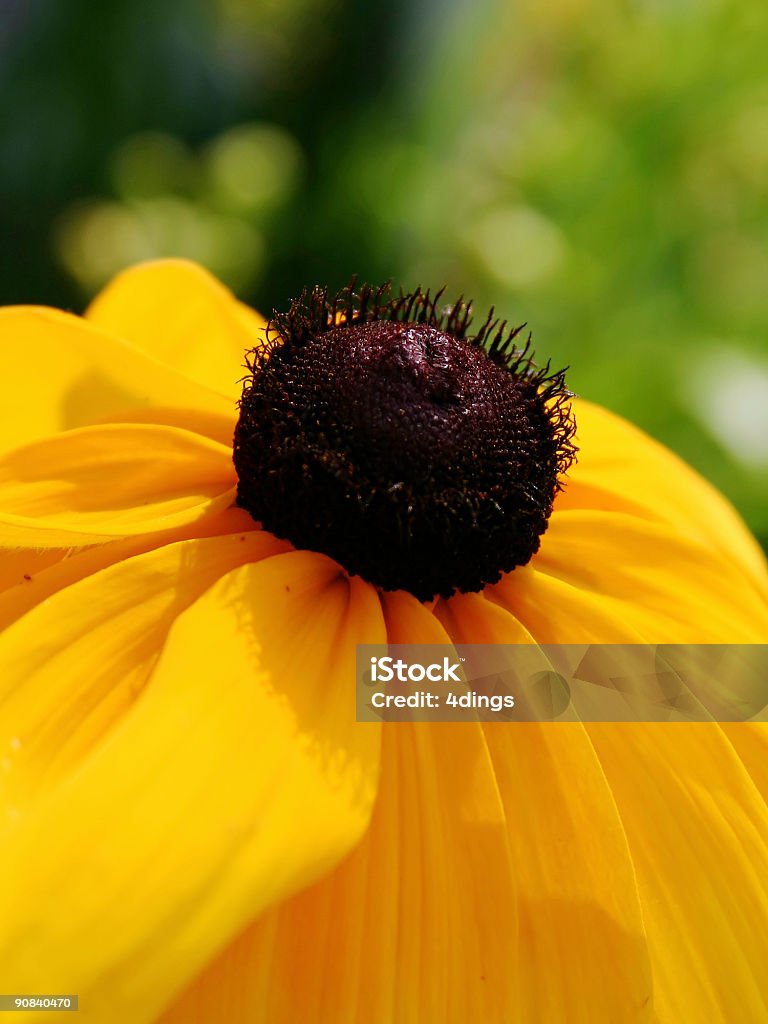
377 431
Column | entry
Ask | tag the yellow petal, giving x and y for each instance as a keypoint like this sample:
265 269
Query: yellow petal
86 485
582 955
471 615
417 925
59 372
33 576
75 663
750 741
557 611
694 820
667 587
18 568
238 778
180 315
698 832
621 468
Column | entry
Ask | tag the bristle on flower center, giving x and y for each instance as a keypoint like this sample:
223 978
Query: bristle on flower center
375 429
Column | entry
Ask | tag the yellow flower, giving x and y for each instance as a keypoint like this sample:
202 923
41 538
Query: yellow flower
194 826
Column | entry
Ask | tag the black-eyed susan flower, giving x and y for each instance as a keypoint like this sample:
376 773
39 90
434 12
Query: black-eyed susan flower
194 826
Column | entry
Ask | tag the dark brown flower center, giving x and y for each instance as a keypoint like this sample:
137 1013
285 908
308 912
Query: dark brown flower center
417 457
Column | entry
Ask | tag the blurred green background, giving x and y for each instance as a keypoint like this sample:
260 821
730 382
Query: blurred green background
598 169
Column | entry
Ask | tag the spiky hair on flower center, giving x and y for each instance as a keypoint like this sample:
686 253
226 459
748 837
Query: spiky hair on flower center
376 429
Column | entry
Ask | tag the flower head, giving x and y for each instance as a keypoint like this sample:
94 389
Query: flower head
195 828
379 431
